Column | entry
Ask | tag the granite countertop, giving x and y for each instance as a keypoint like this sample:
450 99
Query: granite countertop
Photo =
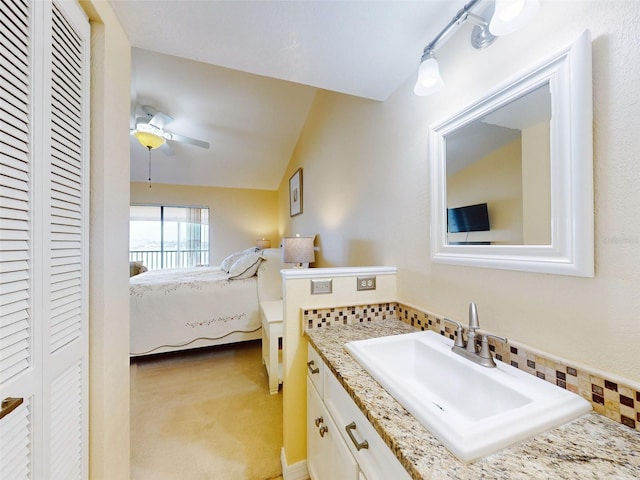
590 447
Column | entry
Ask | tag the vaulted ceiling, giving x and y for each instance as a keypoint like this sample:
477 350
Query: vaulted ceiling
242 75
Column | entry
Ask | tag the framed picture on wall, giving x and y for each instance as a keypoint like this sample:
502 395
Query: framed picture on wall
295 193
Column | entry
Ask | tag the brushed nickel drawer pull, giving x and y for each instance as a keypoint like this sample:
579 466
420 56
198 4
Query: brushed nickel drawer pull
318 421
323 429
9 404
313 370
358 445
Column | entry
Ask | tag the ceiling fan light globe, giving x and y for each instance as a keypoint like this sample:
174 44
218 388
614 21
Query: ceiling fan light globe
148 139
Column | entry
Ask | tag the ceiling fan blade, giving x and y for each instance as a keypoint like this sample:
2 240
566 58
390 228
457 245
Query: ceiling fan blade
141 120
159 120
181 138
154 117
167 150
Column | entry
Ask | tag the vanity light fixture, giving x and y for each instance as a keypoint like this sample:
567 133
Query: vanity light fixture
429 79
507 16
511 15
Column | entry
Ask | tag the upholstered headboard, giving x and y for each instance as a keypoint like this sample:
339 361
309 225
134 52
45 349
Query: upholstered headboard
269 277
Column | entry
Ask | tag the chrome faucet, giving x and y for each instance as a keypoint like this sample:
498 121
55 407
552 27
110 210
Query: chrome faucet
474 325
481 356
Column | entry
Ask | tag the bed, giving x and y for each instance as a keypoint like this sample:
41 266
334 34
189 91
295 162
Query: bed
179 309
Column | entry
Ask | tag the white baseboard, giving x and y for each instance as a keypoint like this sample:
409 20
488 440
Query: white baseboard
297 471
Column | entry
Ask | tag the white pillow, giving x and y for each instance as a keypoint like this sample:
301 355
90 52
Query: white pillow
246 266
228 262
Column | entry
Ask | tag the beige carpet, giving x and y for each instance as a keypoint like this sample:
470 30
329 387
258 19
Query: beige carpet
205 415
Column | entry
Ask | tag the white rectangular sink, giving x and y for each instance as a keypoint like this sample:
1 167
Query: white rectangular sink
473 410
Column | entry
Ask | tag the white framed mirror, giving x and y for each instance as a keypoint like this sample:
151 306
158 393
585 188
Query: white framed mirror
512 174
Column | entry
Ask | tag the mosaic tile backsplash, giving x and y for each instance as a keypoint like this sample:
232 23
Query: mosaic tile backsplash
614 399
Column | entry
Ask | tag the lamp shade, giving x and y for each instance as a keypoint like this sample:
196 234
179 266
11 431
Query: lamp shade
512 15
148 139
429 79
262 243
298 250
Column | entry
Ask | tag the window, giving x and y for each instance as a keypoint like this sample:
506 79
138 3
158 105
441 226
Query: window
168 237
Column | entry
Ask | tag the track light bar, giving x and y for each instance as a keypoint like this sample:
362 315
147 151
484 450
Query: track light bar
455 22
507 16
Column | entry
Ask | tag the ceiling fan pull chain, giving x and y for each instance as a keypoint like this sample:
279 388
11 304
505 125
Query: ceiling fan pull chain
149 148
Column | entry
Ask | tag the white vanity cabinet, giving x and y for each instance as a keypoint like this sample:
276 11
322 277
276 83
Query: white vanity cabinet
351 441
328 457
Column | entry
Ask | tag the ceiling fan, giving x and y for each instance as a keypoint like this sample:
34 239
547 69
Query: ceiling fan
149 130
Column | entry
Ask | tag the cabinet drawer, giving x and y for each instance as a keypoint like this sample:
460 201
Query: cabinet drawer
315 369
376 461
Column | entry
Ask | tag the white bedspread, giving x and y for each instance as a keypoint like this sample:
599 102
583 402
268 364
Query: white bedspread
175 307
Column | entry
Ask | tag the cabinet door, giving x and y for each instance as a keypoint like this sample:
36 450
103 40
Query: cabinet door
328 457
315 414
340 462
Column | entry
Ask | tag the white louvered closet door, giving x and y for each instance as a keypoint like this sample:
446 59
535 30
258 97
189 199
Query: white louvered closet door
18 345
44 94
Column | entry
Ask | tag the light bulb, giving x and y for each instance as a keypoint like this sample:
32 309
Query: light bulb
511 9
512 15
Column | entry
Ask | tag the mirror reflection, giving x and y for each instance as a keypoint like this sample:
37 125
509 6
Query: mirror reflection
525 175
498 186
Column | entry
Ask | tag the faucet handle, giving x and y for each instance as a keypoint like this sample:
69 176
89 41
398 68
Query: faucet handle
459 340
487 335
485 353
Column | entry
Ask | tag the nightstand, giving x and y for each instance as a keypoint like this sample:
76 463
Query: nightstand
271 315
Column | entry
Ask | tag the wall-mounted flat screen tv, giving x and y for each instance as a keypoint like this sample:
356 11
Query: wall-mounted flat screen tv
472 218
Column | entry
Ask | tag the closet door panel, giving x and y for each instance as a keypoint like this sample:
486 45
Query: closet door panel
20 369
66 305
44 172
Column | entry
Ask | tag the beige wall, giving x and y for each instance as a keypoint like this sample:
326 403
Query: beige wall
495 179
237 216
366 191
536 184
109 233
297 296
